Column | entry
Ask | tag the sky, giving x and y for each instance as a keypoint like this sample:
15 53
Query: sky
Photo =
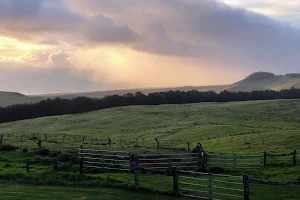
49 46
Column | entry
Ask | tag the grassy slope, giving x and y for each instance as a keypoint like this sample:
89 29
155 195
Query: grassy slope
235 123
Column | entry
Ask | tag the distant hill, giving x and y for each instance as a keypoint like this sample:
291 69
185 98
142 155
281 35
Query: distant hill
99 94
10 98
255 81
265 81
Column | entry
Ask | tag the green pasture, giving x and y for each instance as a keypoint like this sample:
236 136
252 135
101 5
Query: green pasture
272 126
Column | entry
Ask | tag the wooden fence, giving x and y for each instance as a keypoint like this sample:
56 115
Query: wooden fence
55 163
211 186
164 162
293 154
104 159
172 143
233 161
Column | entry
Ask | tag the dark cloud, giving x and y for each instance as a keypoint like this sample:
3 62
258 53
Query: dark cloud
40 19
206 28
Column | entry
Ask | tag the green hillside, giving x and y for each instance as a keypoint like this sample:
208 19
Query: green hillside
219 126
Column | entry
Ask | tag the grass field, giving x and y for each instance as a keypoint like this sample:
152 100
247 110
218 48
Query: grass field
272 126
30 192
220 127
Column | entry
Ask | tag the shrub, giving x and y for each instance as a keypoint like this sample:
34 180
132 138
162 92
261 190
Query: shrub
54 154
8 147
43 152
25 150
66 157
216 170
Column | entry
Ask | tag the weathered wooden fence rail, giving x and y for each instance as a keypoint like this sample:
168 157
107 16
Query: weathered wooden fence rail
105 159
233 161
268 182
293 154
164 162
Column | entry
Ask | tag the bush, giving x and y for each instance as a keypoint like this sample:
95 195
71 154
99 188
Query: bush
66 157
25 150
216 170
54 154
43 152
8 147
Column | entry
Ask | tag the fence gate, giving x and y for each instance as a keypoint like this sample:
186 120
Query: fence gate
213 186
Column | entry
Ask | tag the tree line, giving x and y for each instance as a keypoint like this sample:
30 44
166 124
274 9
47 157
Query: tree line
60 106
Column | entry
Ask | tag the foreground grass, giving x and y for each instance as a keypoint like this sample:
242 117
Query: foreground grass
29 192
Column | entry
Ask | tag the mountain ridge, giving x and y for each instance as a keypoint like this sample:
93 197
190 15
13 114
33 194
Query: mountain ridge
255 81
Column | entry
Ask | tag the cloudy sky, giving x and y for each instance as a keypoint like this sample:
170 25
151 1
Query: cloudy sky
85 45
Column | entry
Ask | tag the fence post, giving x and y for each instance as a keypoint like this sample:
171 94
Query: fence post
294 157
188 144
27 165
21 142
81 166
1 140
109 141
246 187
136 174
175 179
54 164
39 145
157 143
265 159
209 185
83 138
234 161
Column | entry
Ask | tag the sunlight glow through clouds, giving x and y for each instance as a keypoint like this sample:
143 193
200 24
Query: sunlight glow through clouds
150 43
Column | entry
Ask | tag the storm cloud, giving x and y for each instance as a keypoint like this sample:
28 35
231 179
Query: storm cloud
206 34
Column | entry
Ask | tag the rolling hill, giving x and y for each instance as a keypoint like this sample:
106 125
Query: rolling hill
255 81
265 81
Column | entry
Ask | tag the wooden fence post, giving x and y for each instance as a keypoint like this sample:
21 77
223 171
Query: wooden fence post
295 157
188 144
83 138
234 161
39 145
81 166
246 187
265 159
175 179
21 142
55 164
209 185
109 141
157 143
134 169
27 165
1 140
